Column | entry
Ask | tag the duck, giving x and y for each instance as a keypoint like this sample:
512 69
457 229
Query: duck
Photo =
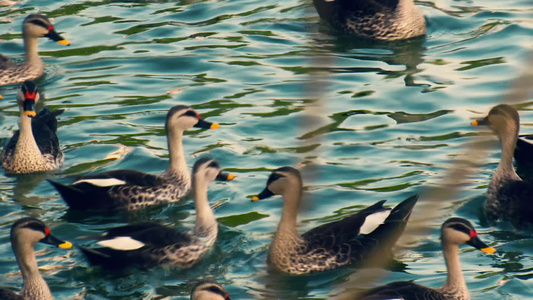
35 147
209 290
33 27
387 20
150 244
131 189
332 245
25 233
508 196
454 232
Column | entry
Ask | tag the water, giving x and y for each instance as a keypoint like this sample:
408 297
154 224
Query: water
392 118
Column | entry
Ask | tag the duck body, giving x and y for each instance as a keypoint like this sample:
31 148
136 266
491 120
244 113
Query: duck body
123 189
454 231
377 19
34 26
331 245
151 244
25 233
35 147
131 189
508 196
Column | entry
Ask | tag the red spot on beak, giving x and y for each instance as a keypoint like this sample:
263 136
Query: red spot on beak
47 231
50 28
30 95
198 116
473 233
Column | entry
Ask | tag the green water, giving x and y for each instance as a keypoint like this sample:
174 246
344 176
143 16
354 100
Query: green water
390 119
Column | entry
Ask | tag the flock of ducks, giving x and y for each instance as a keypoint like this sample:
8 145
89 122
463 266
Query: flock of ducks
352 240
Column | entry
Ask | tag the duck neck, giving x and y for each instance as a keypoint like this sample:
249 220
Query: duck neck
508 141
177 164
31 46
205 219
455 283
34 286
26 139
291 204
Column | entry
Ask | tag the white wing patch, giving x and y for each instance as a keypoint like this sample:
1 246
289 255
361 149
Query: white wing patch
373 221
527 140
102 182
121 243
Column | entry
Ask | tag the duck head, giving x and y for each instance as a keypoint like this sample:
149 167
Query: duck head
39 26
209 290
208 169
30 231
280 182
457 231
502 119
182 117
27 98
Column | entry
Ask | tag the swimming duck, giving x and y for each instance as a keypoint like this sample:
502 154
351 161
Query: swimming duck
508 196
150 244
454 232
209 290
25 233
378 19
35 147
131 189
34 27
330 245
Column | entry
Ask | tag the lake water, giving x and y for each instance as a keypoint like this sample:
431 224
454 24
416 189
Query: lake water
364 120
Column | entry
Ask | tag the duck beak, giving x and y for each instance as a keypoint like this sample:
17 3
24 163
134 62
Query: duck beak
484 121
206 125
263 195
478 244
29 107
52 240
54 36
223 176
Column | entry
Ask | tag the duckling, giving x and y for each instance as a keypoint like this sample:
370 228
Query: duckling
508 196
454 232
25 233
377 19
151 244
209 290
34 27
35 147
131 189
331 245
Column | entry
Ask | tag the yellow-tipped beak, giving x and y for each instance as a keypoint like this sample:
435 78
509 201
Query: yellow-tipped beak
64 42
475 123
65 245
214 126
231 176
30 113
255 198
488 250
1 97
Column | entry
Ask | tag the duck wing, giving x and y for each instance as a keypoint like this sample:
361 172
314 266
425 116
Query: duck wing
6 63
524 150
44 128
135 244
107 191
335 233
403 290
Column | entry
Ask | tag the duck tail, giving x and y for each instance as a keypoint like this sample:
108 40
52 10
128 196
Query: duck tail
74 197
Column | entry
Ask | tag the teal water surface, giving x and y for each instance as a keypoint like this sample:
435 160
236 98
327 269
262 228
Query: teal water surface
364 120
